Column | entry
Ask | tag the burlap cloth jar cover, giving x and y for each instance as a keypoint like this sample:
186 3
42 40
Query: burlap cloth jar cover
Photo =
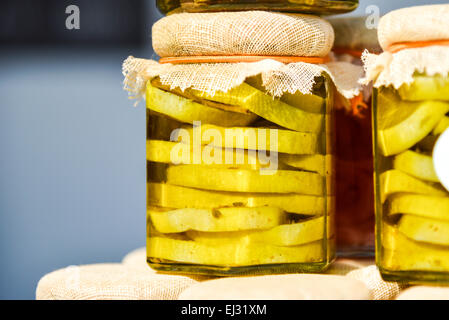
414 40
243 35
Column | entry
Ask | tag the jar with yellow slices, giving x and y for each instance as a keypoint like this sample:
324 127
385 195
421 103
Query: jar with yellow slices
302 6
411 111
239 148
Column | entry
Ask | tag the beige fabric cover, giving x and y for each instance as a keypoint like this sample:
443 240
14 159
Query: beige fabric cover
242 33
408 25
418 23
212 77
133 279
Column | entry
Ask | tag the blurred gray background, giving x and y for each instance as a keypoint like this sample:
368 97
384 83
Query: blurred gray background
72 146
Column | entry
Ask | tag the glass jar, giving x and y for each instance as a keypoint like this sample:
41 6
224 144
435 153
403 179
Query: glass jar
412 207
240 182
355 190
355 217
306 6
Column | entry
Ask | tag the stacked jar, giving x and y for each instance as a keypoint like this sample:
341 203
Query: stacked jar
410 111
240 142
354 171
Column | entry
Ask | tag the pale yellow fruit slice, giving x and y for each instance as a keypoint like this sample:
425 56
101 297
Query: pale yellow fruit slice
186 110
292 234
425 229
187 93
416 164
402 124
306 102
395 181
402 254
269 108
319 163
279 140
217 220
420 205
441 126
426 88
171 196
230 254
176 153
276 181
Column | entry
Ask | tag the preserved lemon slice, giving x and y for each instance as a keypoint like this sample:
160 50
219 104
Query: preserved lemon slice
306 102
416 164
395 181
285 141
267 107
231 254
171 196
321 164
402 124
187 93
426 88
441 126
277 181
186 110
223 219
425 229
169 152
421 205
283 235
402 253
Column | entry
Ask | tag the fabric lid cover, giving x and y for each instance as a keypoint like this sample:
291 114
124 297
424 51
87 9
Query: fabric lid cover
420 23
242 33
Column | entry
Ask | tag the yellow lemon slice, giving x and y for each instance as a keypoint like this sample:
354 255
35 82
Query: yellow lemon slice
223 219
269 108
277 181
188 111
285 141
402 124
415 164
395 181
319 163
425 229
292 234
230 254
420 205
401 253
426 88
171 196
306 102
176 153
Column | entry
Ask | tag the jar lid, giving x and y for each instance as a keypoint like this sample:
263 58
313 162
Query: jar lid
242 33
419 23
